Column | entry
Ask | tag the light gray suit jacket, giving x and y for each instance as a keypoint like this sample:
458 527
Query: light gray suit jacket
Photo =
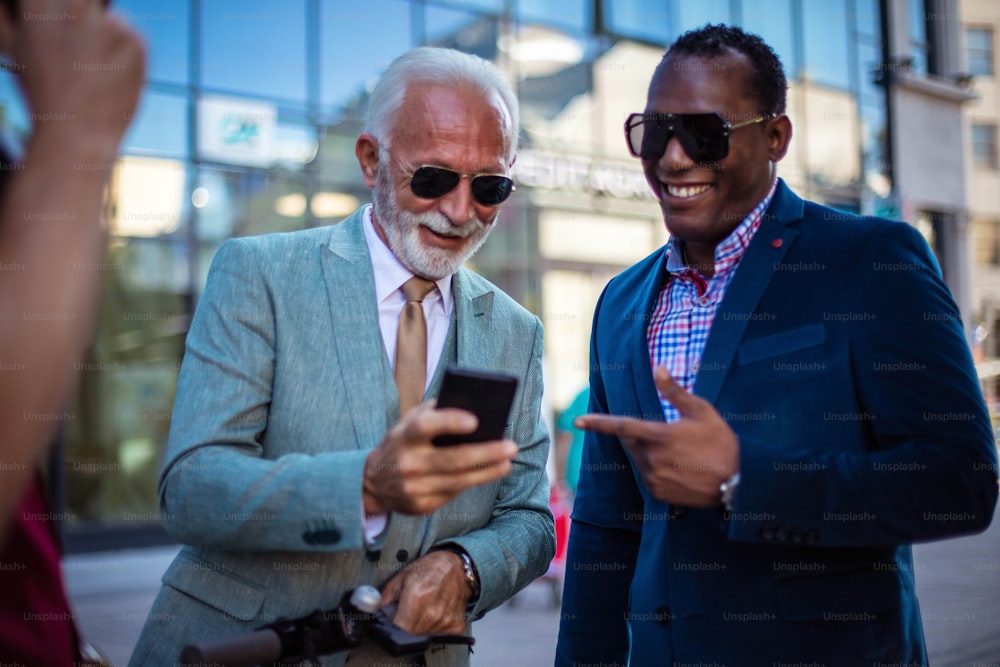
284 390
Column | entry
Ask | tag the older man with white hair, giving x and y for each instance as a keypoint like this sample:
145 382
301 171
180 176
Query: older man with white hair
297 467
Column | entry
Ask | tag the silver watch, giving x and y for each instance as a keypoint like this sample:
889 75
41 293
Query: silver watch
727 491
471 577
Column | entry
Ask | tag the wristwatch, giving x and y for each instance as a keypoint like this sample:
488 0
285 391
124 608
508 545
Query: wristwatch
727 491
468 571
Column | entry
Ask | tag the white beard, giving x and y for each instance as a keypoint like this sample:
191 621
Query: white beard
402 231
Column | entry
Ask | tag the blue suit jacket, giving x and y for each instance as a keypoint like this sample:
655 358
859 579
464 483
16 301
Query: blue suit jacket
838 358
284 391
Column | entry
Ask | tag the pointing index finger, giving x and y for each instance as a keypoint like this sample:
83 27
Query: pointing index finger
686 403
623 427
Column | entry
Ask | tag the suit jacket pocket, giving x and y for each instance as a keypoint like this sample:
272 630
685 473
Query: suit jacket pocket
841 597
207 582
780 343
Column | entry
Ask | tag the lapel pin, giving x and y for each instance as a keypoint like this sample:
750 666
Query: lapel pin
777 243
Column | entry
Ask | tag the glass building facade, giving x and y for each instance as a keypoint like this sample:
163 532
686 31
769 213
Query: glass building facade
248 124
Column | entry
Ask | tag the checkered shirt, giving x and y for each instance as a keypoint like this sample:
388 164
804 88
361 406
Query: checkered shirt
682 317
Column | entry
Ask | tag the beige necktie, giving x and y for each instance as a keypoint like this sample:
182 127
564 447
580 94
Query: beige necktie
411 345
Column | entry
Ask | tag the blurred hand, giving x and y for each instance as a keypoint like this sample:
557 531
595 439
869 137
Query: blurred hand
683 462
81 71
406 473
432 595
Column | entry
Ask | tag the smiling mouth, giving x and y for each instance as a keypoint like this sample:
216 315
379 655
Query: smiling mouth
450 237
685 191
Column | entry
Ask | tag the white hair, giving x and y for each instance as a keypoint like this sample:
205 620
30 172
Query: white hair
429 64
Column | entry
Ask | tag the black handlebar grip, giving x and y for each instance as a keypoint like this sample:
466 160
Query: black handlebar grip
261 646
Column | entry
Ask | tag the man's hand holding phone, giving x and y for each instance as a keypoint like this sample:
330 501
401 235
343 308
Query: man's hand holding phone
408 473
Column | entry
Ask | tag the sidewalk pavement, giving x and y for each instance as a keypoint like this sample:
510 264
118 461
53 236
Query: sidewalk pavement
958 584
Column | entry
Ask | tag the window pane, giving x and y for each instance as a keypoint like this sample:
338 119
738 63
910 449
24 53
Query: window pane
240 50
772 20
984 146
350 59
149 197
873 135
295 145
557 73
337 162
246 203
825 40
696 14
466 31
495 6
647 20
115 443
917 14
869 59
573 14
986 242
918 35
868 19
160 126
164 26
979 51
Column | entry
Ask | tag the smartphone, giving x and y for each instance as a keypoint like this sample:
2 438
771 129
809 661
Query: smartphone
485 394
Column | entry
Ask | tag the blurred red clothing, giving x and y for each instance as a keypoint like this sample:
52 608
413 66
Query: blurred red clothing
36 625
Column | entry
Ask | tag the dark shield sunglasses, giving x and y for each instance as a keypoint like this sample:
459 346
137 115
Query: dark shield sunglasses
430 182
704 136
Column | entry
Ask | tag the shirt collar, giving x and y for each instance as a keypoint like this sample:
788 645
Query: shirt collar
390 274
731 250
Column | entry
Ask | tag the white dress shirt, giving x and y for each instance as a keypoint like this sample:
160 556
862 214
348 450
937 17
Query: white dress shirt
390 274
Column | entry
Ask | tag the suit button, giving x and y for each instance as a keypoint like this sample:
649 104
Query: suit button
663 615
402 555
767 533
781 534
373 554
328 536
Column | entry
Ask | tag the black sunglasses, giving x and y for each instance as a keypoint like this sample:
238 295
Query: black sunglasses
704 136
429 182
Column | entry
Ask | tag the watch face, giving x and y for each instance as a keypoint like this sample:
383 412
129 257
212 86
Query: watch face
470 572
728 489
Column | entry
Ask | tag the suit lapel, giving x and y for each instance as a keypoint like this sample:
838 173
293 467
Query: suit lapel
768 247
638 312
474 322
350 288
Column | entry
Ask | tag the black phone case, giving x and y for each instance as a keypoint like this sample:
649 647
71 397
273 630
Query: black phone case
487 395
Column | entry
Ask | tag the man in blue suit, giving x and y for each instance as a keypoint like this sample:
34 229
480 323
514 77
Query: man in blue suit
295 469
783 401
